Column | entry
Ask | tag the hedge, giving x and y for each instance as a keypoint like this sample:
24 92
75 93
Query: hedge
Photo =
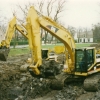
19 42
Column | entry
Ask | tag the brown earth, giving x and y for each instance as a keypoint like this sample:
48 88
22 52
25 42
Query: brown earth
18 85
97 45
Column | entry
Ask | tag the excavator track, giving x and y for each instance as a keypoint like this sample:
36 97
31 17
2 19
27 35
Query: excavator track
92 83
63 79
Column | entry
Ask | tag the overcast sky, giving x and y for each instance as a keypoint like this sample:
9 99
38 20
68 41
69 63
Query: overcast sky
78 13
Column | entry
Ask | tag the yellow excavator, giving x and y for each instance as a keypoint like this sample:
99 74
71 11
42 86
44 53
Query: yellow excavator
5 44
79 64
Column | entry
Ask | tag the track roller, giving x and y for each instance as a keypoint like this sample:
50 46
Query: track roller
92 83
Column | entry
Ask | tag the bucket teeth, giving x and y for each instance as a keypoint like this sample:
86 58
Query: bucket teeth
4 54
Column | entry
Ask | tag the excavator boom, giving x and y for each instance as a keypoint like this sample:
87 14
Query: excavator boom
4 49
34 22
5 44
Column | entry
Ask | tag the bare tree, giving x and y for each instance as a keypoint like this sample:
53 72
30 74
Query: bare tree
72 30
40 5
52 8
96 33
79 33
58 9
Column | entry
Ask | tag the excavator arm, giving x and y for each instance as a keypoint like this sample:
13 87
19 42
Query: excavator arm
5 44
33 28
34 23
64 36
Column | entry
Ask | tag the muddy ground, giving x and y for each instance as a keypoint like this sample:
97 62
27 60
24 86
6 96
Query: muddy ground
18 85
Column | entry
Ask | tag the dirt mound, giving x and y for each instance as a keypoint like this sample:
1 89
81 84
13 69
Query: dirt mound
17 85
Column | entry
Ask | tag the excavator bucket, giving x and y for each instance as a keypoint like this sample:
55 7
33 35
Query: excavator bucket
4 54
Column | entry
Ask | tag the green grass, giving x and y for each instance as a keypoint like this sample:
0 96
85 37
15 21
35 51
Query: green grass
50 46
79 45
18 51
21 51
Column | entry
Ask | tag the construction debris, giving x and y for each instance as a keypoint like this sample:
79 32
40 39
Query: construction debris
20 85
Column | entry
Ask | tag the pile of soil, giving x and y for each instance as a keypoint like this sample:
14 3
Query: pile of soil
18 85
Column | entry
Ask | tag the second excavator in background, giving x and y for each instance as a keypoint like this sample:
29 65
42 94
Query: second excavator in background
5 43
78 64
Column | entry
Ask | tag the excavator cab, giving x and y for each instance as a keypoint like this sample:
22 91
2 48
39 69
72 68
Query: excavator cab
84 59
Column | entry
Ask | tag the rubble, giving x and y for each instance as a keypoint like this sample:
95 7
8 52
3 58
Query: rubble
20 85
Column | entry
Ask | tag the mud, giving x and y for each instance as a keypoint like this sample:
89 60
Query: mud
18 85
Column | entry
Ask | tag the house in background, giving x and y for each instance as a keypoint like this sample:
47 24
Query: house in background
85 37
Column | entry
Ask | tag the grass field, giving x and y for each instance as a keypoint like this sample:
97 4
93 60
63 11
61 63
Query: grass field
21 51
18 51
78 45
